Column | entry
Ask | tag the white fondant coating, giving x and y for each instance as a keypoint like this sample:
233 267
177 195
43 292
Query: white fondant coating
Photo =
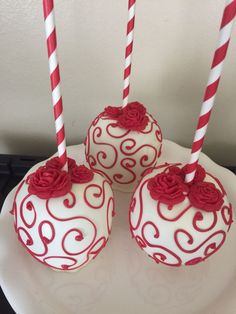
69 230
120 154
154 228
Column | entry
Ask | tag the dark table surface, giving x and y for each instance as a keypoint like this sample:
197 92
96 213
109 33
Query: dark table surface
12 170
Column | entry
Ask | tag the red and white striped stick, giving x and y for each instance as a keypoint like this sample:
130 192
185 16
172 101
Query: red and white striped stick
212 86
129 50
50 30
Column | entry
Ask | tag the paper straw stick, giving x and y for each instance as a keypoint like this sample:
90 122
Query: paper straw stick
129 50
212 86
50 30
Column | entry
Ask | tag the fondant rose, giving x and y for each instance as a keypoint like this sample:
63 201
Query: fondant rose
49 182
113 112
81 174
205 196
133 117
175 170
54 163
167 188
199 175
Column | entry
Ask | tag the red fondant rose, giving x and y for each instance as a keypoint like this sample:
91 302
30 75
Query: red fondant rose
54 163
113 112
205 196
133 117
175 170
167 188
81 174
199 175
48 182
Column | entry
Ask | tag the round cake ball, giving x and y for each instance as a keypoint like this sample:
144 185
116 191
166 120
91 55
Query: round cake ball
177 223
122 143
63 219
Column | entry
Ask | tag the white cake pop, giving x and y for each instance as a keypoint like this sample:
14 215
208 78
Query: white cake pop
63 219
177 223
122 143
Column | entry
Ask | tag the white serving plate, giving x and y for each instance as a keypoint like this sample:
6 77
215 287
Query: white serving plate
121 279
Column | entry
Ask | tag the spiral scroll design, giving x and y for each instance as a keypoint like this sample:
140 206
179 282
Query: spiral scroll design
28 217
181 234
120 154
102 155
166 256
127 164
186 244
128 148
61 232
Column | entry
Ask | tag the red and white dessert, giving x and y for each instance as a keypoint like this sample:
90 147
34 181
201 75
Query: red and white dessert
177 223
122 143
63 219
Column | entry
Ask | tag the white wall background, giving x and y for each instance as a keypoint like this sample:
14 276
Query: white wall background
174 44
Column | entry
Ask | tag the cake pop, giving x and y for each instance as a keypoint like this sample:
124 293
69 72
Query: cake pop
122 143
181 215
177 223
62 211
62 218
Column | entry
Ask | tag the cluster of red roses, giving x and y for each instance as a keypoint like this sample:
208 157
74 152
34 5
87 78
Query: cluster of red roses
51 181
170 189
132 117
